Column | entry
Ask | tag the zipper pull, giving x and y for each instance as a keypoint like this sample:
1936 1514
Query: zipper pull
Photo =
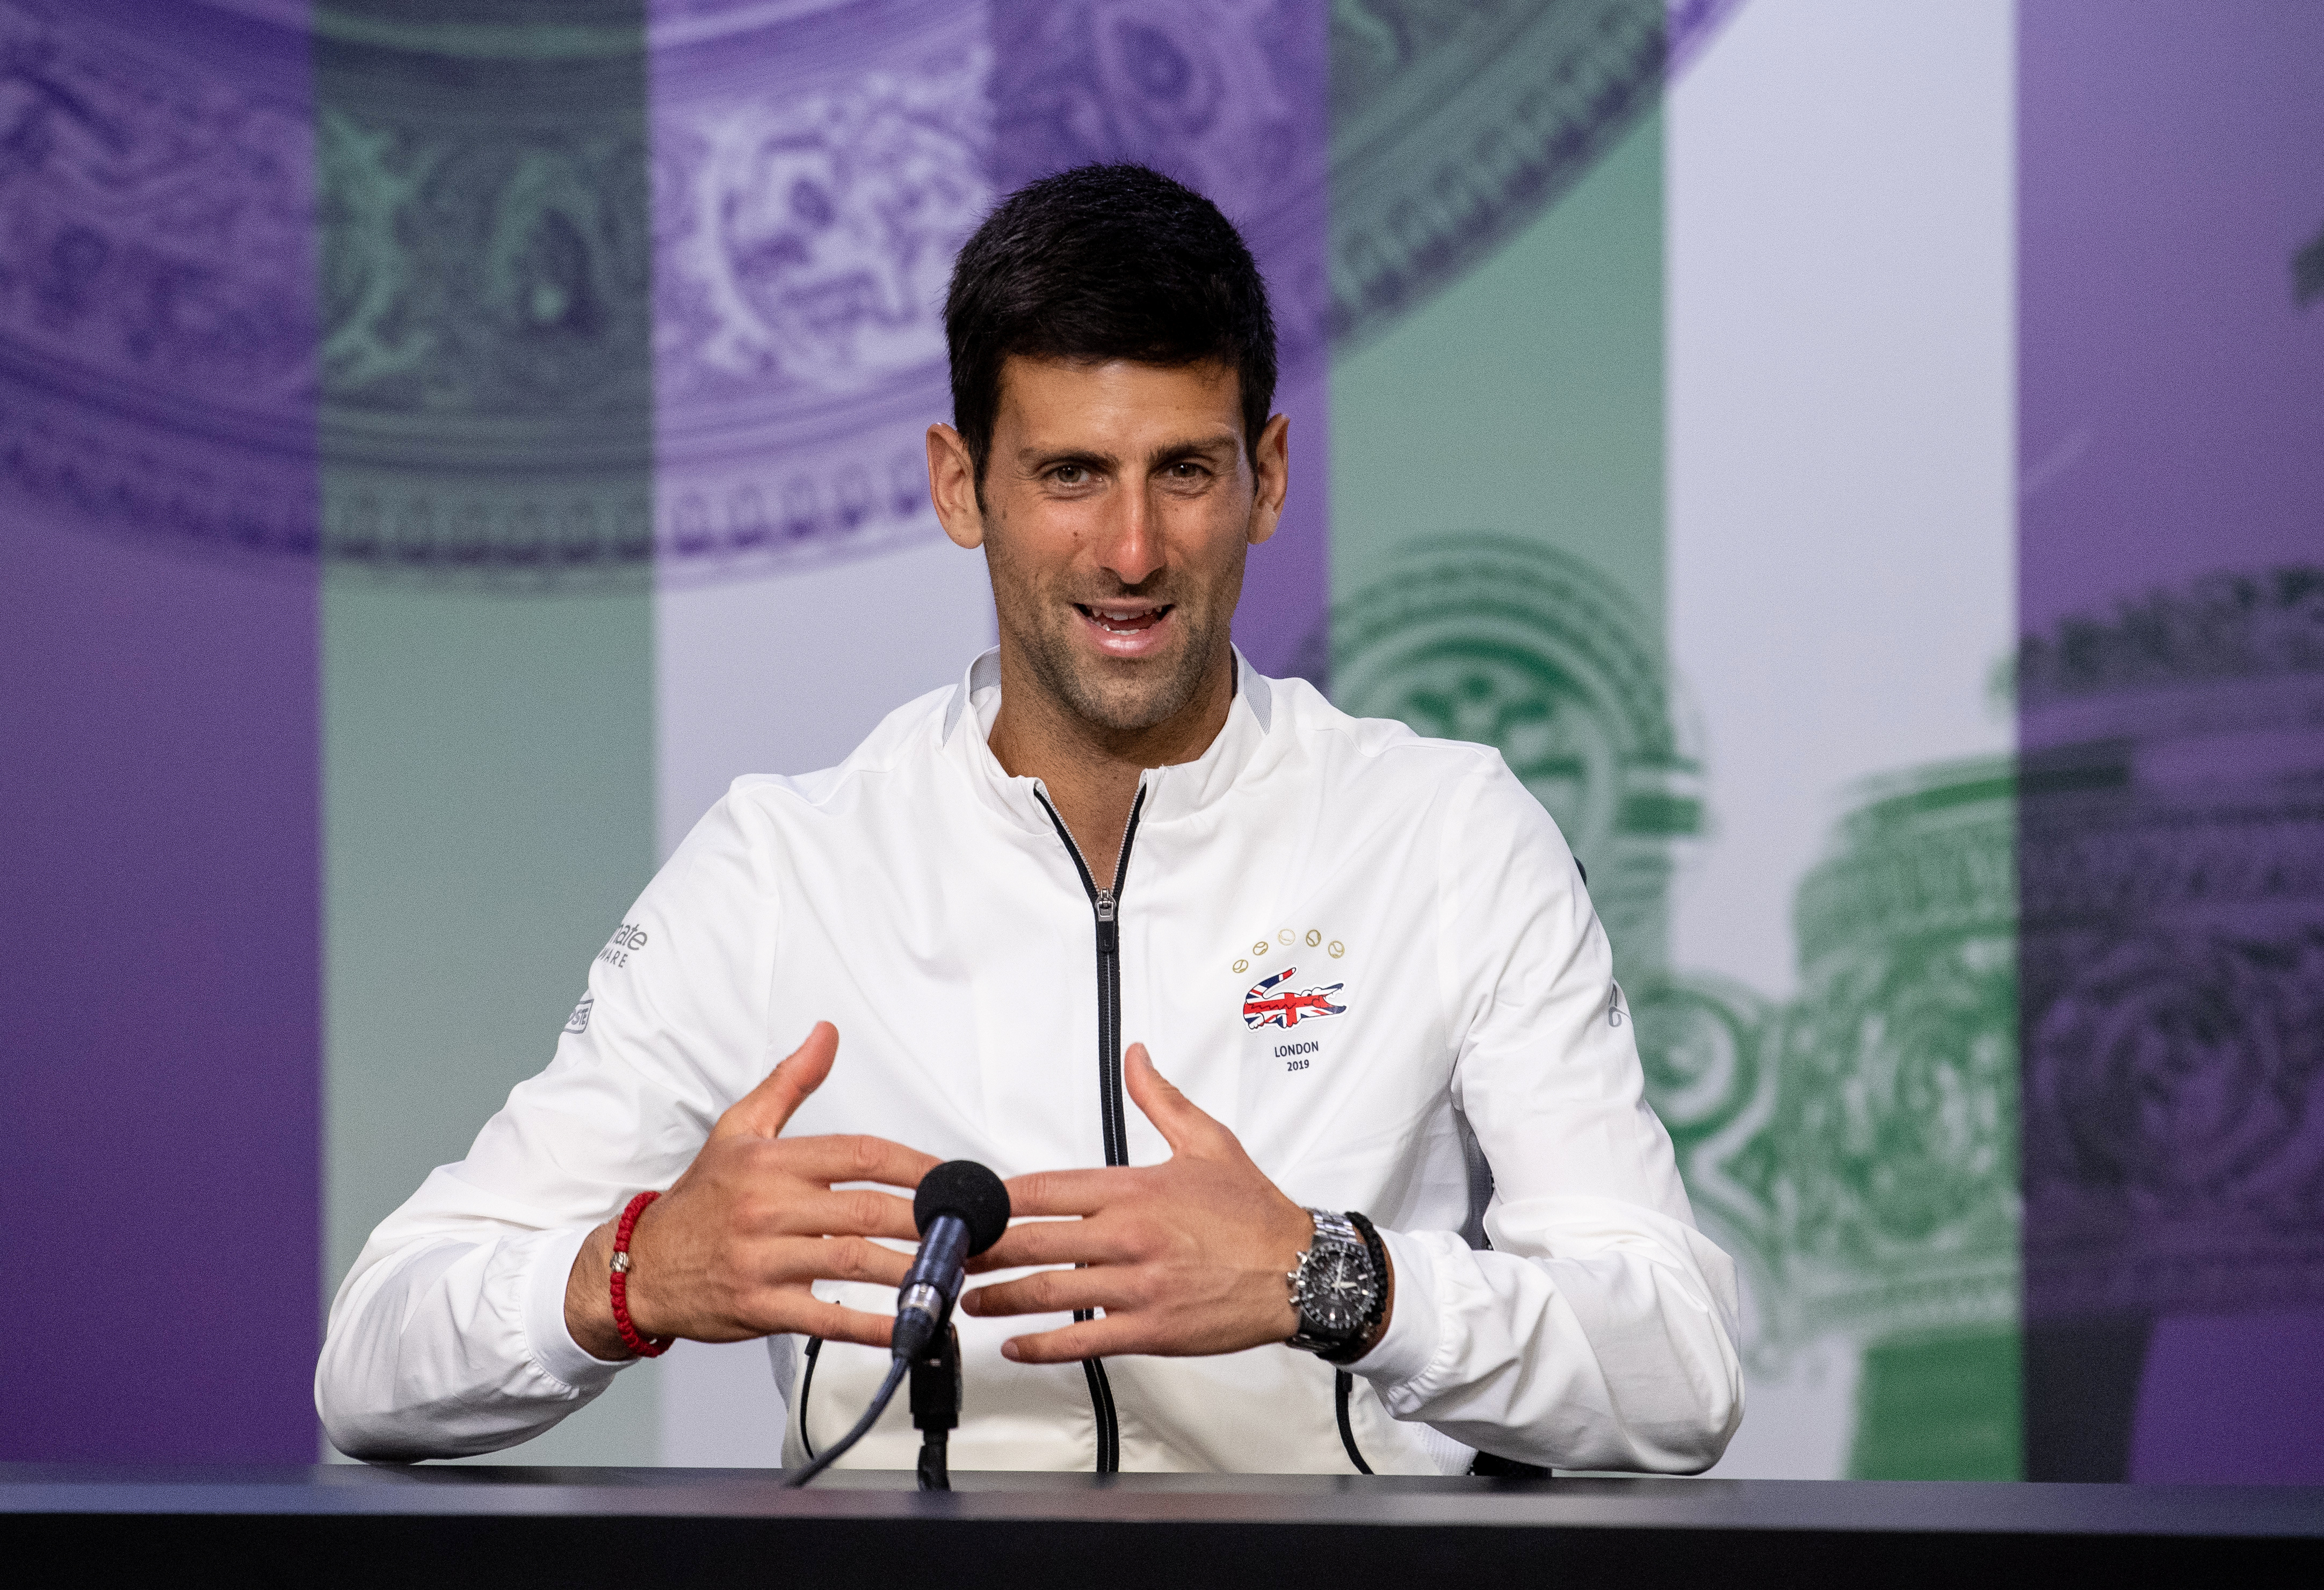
1108 931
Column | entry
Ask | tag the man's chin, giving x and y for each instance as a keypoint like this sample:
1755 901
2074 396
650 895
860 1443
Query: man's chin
1125 695
1127 706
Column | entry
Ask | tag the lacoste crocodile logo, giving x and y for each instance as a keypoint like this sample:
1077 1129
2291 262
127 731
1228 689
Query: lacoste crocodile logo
1270 1004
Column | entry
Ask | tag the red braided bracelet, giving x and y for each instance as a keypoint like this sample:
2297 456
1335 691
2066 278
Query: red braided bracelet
643 1346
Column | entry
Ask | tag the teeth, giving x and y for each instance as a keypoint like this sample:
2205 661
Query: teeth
1118 621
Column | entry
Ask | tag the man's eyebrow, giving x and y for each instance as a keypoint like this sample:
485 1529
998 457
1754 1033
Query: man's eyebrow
1036 459
1170 452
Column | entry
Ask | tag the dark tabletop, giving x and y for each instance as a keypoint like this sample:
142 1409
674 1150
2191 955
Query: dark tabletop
1385 1501
571 1526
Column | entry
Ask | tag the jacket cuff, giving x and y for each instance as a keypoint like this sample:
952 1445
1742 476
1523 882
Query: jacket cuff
1416 1330
552 1344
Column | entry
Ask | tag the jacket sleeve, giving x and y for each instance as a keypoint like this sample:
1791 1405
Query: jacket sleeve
447 1338
1600 1329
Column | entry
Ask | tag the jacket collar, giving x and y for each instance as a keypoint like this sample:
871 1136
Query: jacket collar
1171 792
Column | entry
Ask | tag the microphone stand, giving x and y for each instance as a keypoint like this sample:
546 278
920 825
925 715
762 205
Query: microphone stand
935 1407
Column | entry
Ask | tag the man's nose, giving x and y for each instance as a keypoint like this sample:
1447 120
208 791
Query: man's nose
1131 550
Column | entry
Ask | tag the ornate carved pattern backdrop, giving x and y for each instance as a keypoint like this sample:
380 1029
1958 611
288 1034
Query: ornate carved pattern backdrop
534 300
2172 853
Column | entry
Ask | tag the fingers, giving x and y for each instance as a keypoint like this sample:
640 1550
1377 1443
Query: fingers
760 1272
1056 1242
759 1288
1063 1192
771 1280
1185 1128
1089 1338
1054 1291
856 1159
767 1108
858 1212
843 1258
833 1323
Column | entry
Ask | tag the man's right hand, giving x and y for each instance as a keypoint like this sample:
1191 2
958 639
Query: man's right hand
731 1250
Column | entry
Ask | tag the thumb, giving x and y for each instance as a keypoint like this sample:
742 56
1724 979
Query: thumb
1185 1128
766 1109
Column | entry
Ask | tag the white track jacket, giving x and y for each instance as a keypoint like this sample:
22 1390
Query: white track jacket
1354 946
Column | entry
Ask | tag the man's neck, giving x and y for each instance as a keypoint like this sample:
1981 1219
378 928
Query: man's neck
1092 772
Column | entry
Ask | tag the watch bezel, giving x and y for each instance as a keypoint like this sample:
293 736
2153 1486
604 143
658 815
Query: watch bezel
1338 1243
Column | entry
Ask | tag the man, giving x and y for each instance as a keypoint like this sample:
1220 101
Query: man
1349 948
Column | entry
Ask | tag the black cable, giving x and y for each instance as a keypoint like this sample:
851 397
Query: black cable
807 1384
1342 1383
862 1426
1109 1425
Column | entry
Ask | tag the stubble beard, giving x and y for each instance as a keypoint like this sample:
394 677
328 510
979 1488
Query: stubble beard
1120 698
1112 698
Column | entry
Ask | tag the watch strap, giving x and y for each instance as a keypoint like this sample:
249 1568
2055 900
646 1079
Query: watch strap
1336 1228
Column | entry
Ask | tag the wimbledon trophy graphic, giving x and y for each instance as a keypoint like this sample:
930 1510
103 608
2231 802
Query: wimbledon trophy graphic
662 301
1855 1149
2136 904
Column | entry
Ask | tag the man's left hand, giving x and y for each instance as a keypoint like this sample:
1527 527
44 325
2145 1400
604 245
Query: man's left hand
1185 1258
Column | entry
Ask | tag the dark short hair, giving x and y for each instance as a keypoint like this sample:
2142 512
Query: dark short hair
1114 262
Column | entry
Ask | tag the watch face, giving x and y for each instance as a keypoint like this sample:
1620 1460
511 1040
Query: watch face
1338 1295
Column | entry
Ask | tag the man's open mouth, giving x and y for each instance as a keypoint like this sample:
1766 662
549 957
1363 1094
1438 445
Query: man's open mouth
1123 618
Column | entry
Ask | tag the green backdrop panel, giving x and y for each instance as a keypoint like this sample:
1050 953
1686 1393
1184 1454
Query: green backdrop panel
1497 535
488 655
489 815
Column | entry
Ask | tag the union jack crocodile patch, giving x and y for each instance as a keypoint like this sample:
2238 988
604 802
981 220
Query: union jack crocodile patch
1270 1004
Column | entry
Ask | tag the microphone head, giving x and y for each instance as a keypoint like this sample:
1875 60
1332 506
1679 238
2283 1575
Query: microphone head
965 1189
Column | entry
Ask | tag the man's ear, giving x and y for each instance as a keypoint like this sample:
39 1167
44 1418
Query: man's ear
952 487
1272 465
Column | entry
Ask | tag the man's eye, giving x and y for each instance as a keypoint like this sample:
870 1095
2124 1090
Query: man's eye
1184 469
1069 474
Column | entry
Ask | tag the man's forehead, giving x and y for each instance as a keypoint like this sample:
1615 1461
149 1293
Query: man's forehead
1084 403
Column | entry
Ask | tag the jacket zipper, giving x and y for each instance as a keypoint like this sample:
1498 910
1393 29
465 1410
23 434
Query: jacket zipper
1112 1124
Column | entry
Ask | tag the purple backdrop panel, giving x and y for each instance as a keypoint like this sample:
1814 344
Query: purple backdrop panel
2171 702
1234 100
161 1079
2172 383
2231 1397
158 736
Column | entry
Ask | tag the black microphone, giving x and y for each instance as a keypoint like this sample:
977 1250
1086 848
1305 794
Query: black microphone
961 1209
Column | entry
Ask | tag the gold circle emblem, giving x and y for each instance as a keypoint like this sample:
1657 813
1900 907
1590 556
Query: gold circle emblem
1338 950
1243 965
1314 938
1260 948
1284 936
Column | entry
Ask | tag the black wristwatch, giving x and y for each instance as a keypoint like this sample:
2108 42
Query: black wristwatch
1340 1287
